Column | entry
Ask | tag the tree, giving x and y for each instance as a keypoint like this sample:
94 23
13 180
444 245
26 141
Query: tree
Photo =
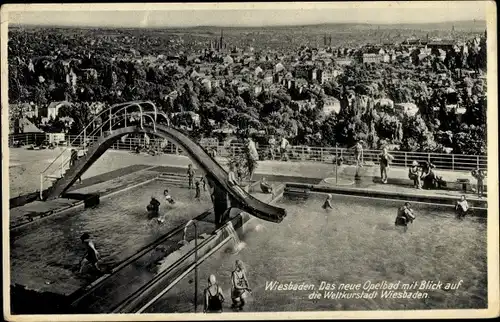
416 135
328 130
470 140
81 115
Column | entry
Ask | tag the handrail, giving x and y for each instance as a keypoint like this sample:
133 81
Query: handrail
118 120
326 154
108 110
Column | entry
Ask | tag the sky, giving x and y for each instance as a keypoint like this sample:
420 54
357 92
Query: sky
245 14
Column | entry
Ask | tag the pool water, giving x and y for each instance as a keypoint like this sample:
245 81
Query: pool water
50 252
354 242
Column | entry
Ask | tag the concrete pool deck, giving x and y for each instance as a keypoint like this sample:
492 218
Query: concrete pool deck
279 171
24 176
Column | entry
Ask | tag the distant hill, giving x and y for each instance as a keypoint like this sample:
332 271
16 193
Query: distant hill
468 25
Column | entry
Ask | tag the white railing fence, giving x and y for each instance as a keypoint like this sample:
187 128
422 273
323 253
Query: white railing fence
294 153
306 153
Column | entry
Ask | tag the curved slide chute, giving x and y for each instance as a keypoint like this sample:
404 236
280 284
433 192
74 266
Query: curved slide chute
204 161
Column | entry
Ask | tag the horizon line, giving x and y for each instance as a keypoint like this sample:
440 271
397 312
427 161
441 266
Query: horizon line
245 26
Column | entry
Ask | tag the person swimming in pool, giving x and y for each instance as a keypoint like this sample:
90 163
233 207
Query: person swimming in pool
405 215
153 208
168 197
328 202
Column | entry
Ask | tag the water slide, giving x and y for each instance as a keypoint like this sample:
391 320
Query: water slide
204 161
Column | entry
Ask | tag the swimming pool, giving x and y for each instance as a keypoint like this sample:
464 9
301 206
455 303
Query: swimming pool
45 256
354 242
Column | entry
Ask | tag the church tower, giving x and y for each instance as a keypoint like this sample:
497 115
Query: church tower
221 44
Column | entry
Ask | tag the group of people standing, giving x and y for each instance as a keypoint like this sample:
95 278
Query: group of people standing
240 290
282 146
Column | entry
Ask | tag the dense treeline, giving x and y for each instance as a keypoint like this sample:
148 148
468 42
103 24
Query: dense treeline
53 66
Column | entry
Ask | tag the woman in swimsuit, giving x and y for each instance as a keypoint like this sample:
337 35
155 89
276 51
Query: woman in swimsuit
213 297
240 287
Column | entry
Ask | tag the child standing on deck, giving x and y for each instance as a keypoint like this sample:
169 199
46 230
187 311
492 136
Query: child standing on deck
190 173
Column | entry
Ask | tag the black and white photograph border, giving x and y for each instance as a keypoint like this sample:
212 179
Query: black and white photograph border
249 161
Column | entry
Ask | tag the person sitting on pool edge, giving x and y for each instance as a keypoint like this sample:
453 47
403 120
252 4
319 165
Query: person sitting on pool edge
405 215
414 174
168 197
265 186
328 202
462 207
